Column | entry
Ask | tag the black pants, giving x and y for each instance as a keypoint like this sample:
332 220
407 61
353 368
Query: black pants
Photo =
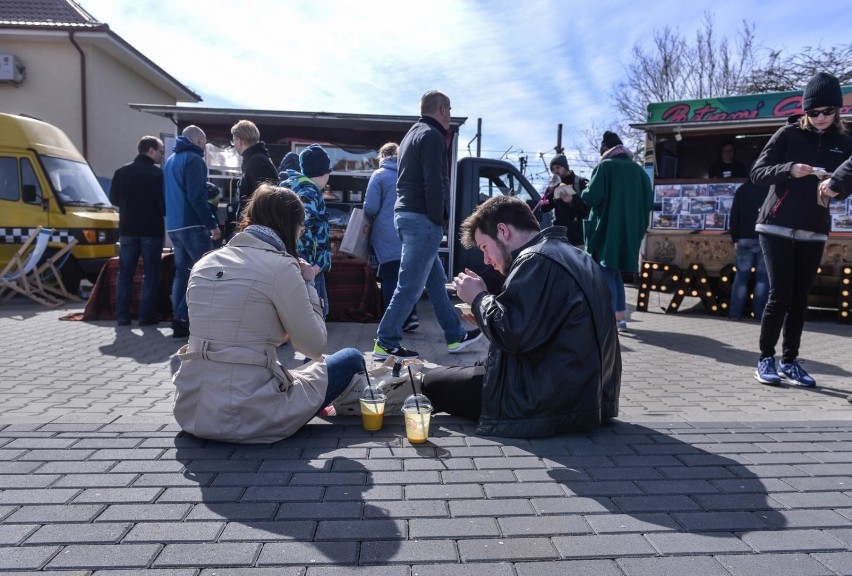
792 267
455 390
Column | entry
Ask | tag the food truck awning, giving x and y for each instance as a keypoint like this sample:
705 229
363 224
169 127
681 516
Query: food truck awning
745 113
368 130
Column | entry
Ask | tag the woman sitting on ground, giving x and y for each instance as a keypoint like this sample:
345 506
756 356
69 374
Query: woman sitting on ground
243 300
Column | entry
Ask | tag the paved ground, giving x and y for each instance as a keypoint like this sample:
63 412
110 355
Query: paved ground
705 472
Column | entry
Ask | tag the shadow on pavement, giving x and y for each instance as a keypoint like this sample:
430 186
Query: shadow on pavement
149 347
303 497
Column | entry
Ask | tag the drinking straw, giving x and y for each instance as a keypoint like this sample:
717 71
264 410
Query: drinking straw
413 389
367 374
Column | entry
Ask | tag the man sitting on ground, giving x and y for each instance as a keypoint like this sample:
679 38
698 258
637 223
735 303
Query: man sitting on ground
554 363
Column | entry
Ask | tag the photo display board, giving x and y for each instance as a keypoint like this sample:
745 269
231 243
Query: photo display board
708 207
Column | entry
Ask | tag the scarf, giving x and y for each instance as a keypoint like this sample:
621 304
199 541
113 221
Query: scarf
615 151
266 234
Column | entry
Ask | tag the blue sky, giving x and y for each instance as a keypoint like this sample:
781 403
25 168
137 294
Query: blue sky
523 67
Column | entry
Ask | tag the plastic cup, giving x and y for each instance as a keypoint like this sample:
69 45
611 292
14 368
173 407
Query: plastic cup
417 425
372 411
417 412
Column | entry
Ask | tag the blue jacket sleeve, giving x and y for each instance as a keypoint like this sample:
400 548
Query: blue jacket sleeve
195 180
373 198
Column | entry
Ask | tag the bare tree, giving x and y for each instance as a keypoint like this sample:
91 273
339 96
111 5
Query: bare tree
780 73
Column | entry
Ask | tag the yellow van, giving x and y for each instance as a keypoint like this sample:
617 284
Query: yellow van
45 181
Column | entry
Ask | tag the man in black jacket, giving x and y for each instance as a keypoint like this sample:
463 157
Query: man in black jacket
257 166
137 190
554 364
569 208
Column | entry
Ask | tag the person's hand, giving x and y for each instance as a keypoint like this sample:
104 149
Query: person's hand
308 272
215 234
564 192
801 170
468 285
826 190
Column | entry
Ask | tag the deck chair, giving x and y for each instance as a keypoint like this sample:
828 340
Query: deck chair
46 277
15 276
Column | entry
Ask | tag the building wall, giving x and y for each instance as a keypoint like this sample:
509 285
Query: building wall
51 92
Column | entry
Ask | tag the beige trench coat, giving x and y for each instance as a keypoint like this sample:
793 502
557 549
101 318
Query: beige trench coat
243 299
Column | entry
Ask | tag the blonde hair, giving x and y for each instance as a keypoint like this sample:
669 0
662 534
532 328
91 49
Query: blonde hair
388 150
246 131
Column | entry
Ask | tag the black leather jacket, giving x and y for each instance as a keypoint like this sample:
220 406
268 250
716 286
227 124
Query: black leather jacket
554 364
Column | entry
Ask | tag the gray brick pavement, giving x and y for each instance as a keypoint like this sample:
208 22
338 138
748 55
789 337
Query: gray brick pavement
705 472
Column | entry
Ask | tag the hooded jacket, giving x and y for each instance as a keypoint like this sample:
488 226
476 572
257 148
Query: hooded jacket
378 205
257 169
792 202
315 243
185 175
554 363
243 300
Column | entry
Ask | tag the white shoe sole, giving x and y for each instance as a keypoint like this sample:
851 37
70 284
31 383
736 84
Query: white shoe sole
464 344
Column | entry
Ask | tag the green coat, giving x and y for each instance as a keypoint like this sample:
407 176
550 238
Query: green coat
621 199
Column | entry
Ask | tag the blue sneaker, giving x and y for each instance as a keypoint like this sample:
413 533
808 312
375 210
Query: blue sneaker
793 373
766 372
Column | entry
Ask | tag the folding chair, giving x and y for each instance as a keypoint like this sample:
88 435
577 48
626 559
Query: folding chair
46 274
14 278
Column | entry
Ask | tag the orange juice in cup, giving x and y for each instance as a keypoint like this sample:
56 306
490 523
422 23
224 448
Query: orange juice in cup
372 409
417 411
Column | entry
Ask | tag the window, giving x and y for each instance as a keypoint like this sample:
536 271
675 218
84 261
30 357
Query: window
498 180
29 183
74 182
9 186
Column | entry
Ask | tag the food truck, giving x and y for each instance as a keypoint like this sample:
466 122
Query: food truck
688 250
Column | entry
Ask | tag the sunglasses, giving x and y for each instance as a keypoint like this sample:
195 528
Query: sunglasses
825 112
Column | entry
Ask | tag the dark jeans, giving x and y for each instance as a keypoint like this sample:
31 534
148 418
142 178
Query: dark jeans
389 274
130 248
322 292
190 244
456 390
792 267
341 367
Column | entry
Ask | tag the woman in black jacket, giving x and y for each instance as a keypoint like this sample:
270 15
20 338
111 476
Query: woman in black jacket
793 223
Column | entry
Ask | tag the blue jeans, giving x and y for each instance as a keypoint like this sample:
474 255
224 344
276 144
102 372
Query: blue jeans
616 289
341 367
190 245
322 291
389 275
130 248
419 268
749 255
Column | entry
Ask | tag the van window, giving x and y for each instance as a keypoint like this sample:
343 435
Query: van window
28 178
494 181
9 188
74 182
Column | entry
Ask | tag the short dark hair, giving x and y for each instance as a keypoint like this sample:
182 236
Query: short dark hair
498 210
148 142
278 208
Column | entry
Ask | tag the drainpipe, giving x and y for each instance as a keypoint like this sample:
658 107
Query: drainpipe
83 96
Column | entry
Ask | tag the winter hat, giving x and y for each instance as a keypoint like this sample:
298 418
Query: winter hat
559 160
822 90
289 162
314 161
610 140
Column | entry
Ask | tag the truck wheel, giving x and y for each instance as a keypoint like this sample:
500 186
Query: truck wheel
72 275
